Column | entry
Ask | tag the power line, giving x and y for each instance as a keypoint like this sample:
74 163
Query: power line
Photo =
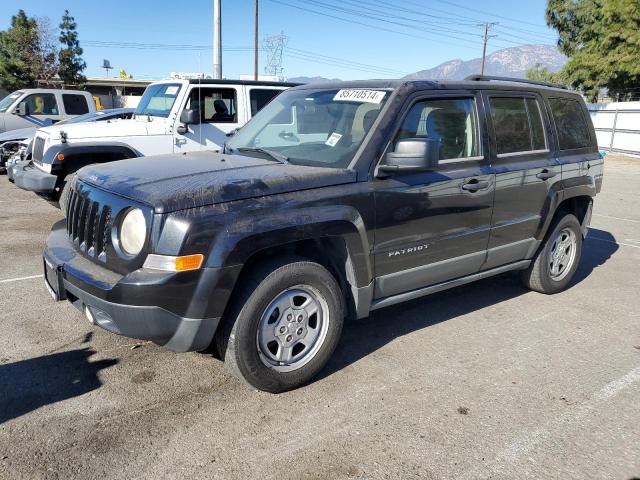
290 52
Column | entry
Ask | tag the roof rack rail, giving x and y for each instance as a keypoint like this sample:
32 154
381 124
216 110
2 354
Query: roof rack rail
488 78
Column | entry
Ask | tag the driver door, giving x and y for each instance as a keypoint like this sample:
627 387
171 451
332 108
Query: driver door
218 114
43 109
433 226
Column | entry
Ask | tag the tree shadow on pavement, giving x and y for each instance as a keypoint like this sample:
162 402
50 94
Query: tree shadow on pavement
30 384
363 337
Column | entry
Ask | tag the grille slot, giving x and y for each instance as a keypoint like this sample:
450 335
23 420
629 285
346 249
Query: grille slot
88 224
38 149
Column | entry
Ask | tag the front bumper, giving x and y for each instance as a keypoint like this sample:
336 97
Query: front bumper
15 166
28 177
117 303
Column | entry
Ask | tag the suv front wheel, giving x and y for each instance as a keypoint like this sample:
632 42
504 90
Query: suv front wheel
556 262
283 326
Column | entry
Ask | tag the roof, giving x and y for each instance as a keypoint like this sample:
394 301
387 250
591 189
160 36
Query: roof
260 83
490 83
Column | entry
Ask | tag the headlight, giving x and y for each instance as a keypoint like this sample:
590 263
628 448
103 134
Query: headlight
133 231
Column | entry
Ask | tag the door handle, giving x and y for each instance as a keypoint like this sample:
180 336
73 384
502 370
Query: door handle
474 185
546 174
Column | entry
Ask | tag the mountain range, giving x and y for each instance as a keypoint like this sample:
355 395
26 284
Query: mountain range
508 62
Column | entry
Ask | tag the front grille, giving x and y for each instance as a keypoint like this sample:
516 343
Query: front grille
38 149
89 225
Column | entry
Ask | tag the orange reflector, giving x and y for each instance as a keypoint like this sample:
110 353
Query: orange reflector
60 156
189 262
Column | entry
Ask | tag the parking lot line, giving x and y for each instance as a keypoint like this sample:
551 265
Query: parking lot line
591 237
616 218
522 447
18 279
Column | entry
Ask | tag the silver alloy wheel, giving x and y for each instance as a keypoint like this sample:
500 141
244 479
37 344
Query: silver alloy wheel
562 254
292 328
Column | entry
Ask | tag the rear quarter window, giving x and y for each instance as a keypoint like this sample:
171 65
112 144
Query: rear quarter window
75 104
571 124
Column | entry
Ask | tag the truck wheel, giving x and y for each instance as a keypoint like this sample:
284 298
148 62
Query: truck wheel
283 326
63 201
554 265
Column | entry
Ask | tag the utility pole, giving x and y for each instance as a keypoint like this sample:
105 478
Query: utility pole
217 40
255 47
485 39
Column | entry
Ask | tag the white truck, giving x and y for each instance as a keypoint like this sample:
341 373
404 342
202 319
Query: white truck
42 106
173 116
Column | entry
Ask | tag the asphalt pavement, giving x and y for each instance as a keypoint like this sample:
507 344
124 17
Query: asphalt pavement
487 380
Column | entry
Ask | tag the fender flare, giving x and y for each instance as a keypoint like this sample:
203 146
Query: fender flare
76 151
561 192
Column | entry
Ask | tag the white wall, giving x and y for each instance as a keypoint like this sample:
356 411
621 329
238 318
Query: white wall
617 126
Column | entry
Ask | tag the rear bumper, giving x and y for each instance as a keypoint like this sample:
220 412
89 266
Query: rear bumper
28 177
163 307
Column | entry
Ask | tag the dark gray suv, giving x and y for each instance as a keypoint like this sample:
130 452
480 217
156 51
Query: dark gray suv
333 201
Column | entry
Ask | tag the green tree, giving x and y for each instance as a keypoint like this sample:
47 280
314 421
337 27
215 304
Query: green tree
602 40
16 47
70 56
541 73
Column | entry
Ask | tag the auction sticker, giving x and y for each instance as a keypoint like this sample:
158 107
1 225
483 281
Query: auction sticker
171 90
359 95
333 139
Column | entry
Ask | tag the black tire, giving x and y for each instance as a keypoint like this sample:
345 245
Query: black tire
538 276
63 201
236 340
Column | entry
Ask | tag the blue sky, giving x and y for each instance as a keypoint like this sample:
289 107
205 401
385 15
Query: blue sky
356 38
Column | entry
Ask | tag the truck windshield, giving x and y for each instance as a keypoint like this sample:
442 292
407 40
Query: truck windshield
315 127
6 102
158 100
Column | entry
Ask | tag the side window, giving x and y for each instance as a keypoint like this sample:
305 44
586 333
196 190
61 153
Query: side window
41 104
518 126
259 98
216 105
74 104
573 131
450 122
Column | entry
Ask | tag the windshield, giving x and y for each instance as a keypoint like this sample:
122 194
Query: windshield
319 127
6 102
157 100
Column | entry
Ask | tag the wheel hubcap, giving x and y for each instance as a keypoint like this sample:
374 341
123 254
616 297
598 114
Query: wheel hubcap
562 254
292 328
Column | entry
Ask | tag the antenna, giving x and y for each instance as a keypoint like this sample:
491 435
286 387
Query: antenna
274 45
106 64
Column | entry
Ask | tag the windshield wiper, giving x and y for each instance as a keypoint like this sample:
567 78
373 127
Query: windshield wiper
278 157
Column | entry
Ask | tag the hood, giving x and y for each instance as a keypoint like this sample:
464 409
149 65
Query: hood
177 182
19 134
119 128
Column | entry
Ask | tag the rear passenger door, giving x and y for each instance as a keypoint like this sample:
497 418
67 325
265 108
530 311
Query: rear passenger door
526 171
578 153
433 226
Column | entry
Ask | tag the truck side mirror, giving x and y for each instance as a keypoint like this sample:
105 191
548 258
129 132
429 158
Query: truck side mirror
190 116
413 155
22 110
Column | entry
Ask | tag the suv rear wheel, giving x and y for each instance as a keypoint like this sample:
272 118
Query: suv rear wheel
556 262
284 325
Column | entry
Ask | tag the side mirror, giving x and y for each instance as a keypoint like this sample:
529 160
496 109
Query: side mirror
22 110
190 116
413 155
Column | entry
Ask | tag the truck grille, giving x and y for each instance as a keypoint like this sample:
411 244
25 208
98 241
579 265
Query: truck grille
38 149
89 225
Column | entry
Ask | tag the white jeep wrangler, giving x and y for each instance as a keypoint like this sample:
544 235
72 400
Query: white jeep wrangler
172 116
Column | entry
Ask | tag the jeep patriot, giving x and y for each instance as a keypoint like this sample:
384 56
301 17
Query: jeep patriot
333 201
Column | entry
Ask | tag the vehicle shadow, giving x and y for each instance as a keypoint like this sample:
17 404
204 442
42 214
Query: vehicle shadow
30 384
363 337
